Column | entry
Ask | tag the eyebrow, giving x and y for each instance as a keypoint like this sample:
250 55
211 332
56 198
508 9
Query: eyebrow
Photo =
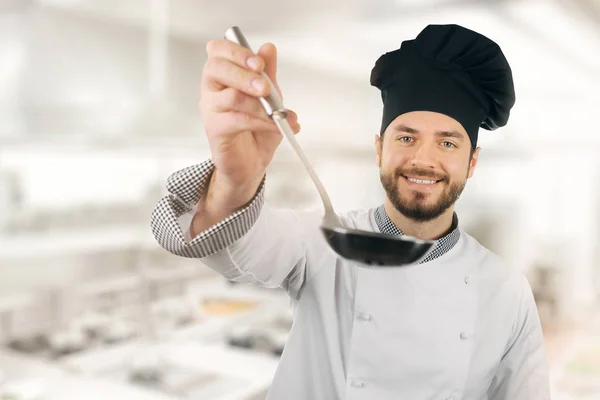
408 129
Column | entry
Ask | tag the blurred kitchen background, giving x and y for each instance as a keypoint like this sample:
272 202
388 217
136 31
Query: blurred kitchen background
98 105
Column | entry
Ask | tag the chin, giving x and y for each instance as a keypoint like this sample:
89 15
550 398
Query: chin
423 198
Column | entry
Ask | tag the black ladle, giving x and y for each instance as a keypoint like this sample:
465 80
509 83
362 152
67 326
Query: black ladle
367 248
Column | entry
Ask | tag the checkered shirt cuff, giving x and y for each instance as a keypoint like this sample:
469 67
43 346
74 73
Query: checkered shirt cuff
185 188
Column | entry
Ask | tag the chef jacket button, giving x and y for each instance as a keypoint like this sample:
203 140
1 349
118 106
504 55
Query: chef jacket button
464 336
363 317
357 383
467 279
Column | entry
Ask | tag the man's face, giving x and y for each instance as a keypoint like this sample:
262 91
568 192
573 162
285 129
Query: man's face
425 161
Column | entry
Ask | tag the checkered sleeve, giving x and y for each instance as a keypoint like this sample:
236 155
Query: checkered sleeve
185 187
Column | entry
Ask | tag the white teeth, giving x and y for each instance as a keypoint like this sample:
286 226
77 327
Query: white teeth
421 181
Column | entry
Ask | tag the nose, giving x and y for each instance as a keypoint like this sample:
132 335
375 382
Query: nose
424 156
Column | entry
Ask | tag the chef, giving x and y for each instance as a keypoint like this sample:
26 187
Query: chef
460 324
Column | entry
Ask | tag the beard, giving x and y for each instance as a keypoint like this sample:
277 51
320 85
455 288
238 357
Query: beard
413 204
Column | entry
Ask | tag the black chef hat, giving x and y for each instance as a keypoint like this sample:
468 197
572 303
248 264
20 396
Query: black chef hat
451 70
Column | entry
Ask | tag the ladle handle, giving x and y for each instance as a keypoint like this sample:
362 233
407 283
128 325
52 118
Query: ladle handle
273 105
273 102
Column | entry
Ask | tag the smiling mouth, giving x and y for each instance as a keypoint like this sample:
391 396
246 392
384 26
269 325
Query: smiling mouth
421 181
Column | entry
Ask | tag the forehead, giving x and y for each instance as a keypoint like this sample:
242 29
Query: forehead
426 122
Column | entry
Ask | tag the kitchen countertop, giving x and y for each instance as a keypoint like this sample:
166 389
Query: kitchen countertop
45 381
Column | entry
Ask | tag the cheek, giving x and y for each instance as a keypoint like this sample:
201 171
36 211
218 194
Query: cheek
457 170
389 160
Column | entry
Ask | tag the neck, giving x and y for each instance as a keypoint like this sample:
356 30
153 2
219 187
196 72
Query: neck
430 230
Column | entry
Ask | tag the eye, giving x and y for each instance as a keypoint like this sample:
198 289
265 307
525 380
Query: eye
404 139
448 144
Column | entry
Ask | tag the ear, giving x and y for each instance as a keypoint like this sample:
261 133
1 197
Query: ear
378 145
473 163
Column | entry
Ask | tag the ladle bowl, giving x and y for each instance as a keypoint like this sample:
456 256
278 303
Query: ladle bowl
376 249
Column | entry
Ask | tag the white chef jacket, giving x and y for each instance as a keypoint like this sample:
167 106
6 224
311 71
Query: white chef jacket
461 326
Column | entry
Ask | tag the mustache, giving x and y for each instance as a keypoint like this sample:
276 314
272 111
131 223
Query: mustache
426 173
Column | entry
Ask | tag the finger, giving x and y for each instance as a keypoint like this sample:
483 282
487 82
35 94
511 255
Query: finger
296 128
220 73
230 99
232 123
233 100
268 52
237 54
293 121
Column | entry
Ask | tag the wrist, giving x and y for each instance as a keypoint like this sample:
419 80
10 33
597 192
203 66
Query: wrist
230 195
222 199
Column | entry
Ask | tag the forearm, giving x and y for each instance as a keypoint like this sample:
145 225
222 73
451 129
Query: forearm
268 252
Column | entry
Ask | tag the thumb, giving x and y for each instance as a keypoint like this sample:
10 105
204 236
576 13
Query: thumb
268 52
